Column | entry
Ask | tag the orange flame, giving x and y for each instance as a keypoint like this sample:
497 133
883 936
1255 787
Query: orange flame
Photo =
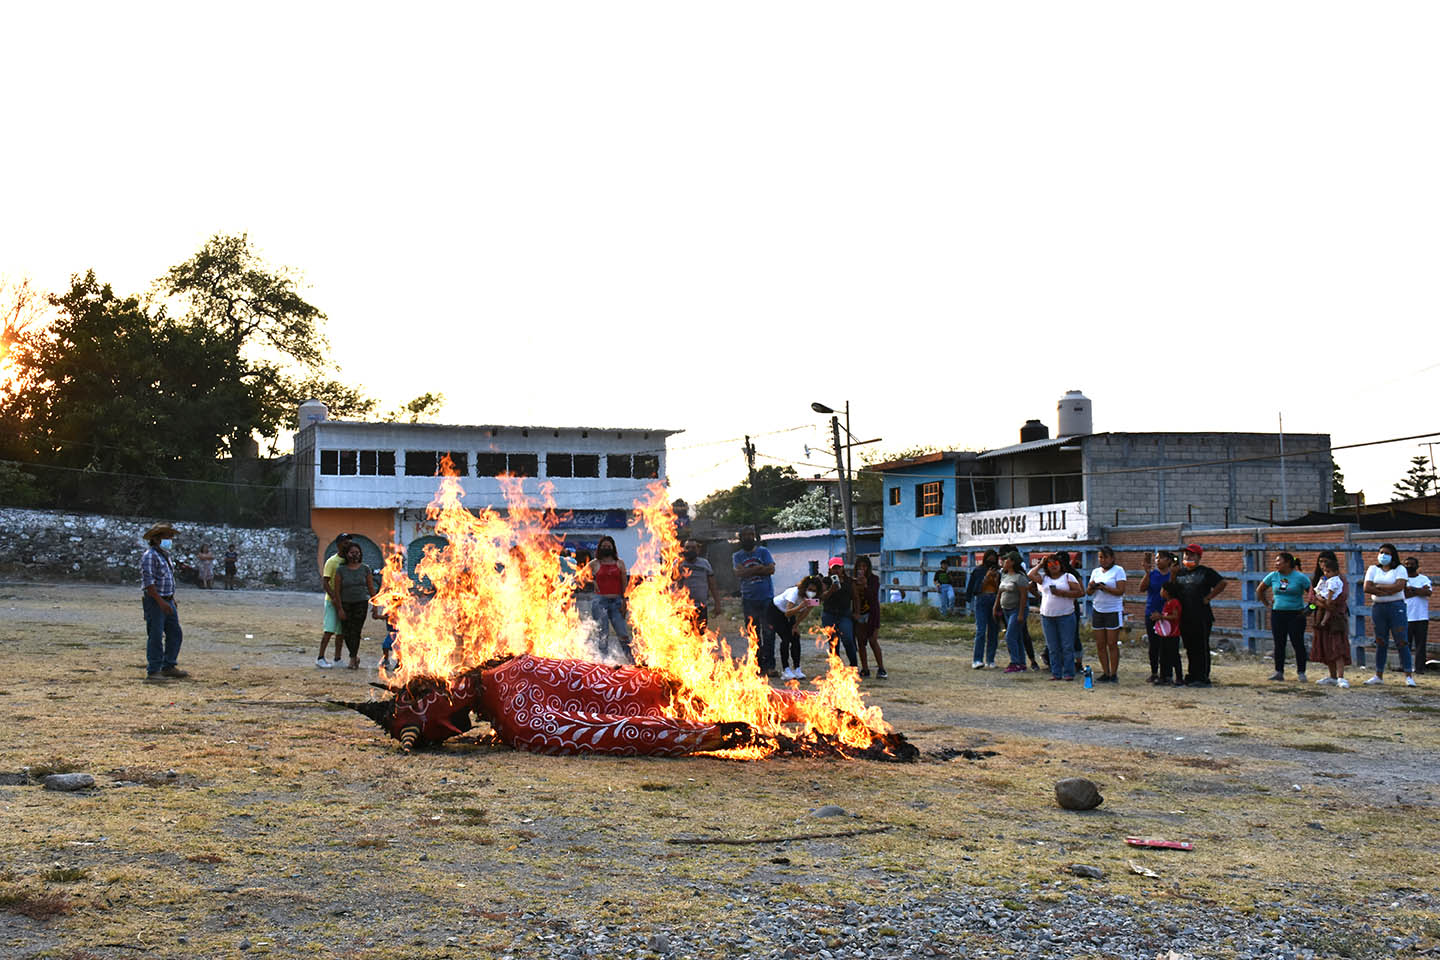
498 587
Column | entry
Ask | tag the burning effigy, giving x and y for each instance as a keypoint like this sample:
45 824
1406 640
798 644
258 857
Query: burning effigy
496 634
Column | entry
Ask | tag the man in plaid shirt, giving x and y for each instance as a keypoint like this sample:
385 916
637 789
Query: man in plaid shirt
162 618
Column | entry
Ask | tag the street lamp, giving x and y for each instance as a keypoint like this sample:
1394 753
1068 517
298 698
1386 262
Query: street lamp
843 471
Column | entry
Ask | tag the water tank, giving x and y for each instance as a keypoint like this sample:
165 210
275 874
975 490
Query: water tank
1073 415
311 411
1034 430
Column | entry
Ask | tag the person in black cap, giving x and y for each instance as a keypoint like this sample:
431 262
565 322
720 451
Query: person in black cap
332 618
1195 586
162 616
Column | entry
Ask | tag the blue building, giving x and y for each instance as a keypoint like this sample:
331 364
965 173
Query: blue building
802 552
922 499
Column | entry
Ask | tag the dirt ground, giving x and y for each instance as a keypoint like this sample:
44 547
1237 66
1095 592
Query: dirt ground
235 810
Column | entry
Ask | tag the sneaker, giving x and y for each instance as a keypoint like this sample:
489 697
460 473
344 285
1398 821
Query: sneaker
1277 675
977 665
990 665
1410 682
1014 668
174 672
773 674
1326 682
1301 676
1377 679
881 675
154 678
864 671
1343 684
323 664
799 674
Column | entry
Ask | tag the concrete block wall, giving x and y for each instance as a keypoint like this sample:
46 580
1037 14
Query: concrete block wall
1166 495
82 546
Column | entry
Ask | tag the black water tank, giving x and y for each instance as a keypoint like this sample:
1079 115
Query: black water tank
1034 430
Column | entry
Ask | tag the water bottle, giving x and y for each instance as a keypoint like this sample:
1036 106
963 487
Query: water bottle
1089 678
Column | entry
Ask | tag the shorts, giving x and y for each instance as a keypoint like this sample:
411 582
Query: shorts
1105 621
332 619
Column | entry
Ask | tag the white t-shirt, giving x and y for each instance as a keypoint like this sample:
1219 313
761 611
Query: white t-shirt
1417 608
788 599
895 595
1108 602
1051 605
1386 578
1328 588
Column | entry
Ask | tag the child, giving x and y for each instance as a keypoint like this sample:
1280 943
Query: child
1330 637
1167 633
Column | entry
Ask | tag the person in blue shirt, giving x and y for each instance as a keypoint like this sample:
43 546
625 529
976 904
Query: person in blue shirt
754 567
1283 591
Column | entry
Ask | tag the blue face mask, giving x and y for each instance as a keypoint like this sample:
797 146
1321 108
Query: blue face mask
166 545
1384 559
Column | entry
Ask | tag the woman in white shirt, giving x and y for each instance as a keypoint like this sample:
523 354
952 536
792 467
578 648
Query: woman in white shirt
1417 609
1385 586
1107 586
1058 593
786 612
1330 629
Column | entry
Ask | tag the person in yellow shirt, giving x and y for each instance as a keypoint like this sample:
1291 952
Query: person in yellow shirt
332 619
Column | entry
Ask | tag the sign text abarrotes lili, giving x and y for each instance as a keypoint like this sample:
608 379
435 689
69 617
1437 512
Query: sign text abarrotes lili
1052 521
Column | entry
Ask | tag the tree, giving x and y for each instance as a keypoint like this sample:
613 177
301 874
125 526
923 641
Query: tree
1339 496
809 511
774 488
422 409
1419 481
274 334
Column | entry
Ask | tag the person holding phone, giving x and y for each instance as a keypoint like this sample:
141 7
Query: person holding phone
1156 576
1058 592
867 617
1283 590
1011 608
1107 586
786 613
836 606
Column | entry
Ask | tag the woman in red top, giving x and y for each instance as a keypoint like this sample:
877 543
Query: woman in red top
607 571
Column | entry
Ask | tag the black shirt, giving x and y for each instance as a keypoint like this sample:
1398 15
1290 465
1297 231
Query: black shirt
837 604
1193 585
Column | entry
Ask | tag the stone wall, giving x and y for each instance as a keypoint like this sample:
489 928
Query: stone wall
82 546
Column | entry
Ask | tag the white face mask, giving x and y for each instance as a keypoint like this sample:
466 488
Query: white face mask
810 594
1384 559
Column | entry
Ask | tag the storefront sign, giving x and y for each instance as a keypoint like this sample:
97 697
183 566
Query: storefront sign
1043 524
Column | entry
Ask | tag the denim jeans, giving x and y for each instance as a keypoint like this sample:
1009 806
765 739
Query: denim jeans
1390 621
1014 639
157 654
947 598
1060 641
756 612
610 611
845 631
987 628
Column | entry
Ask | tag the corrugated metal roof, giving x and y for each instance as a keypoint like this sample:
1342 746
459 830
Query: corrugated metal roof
1031 446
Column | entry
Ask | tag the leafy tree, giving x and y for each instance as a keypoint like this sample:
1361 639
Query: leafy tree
809 511
1339 496
774 488
1419 480
422 409
274 334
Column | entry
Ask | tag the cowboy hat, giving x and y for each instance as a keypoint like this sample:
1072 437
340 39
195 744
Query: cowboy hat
161 529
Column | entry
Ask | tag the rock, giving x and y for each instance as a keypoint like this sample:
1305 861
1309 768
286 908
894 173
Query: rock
69 781
829 810
660 943
1085 870
245 944
1077 793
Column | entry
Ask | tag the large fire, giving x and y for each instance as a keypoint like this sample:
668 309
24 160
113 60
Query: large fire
498 589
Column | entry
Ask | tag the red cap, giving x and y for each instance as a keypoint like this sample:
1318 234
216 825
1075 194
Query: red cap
1194 548
835 562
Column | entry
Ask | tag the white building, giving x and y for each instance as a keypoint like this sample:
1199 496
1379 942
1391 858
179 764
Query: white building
374 480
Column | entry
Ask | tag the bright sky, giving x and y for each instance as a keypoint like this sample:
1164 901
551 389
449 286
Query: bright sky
707 216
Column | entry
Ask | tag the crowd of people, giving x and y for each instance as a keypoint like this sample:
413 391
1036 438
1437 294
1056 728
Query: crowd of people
1000 591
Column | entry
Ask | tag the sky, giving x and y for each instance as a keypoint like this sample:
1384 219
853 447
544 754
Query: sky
707 216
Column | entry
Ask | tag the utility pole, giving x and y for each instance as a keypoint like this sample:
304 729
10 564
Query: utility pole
749 450
845 504
1284 497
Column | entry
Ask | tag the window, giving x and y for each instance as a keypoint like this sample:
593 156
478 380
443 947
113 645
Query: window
420 463
330 463
348 463
559 465
489 464
929 499
617 465
894 496
364 463
647 467
377 463
524 464
587 464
